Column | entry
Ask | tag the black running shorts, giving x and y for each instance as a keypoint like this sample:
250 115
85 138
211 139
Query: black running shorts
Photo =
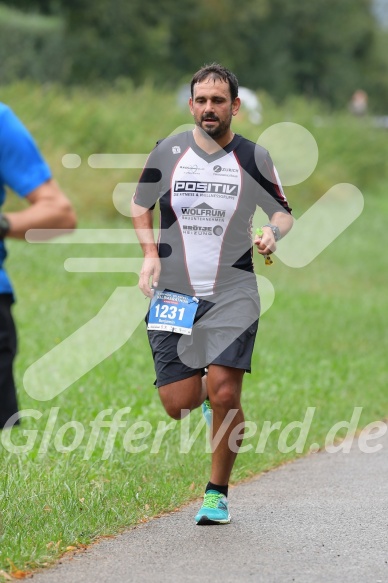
224 333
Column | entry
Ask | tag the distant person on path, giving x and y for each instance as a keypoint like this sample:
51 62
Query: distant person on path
23 170
359 103
204 307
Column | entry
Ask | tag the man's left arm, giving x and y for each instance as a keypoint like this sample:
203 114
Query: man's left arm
274 202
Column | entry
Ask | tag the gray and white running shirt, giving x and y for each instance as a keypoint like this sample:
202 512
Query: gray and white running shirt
206 207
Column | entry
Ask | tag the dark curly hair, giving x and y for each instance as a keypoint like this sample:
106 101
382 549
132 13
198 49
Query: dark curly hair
216 71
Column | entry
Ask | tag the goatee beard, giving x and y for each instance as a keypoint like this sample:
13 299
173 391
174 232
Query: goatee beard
214 132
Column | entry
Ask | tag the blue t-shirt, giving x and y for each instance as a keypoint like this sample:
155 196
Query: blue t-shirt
22 168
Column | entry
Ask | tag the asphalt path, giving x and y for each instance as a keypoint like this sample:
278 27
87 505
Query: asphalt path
320 519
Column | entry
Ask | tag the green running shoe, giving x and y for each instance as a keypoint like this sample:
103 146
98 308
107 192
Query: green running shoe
214 509
207 412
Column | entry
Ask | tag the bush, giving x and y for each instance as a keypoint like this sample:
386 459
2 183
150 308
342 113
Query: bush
31 46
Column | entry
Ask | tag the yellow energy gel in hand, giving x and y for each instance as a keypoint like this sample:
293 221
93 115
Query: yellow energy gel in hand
267 258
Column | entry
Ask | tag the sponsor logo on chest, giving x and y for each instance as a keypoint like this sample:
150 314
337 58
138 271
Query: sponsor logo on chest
192 186
203 212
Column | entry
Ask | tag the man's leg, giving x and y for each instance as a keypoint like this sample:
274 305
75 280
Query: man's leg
224 390
8 401
181 387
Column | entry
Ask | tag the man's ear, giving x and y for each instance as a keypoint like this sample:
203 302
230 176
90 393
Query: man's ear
236 106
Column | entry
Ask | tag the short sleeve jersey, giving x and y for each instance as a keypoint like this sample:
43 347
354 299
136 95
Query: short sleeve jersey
207 203
22 169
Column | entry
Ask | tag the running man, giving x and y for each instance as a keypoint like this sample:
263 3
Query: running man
204 308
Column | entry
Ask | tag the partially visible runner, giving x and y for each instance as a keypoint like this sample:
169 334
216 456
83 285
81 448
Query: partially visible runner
23 170
205 306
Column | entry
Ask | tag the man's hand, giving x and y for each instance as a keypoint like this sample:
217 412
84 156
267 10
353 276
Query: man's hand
265 243
149 275
142 219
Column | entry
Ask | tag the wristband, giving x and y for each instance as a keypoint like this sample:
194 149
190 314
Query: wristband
275 230
4 226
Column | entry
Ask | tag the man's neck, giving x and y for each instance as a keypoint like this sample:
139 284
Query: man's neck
211 145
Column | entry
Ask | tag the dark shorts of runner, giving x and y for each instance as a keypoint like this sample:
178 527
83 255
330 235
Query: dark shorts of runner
224 333
8 347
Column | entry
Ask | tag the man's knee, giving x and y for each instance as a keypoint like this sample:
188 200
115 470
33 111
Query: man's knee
225 397
225 389
181 397
174 410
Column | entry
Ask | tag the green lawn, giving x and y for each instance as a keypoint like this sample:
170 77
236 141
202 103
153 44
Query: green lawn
322 345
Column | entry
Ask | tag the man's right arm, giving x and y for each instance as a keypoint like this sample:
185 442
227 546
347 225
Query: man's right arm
24 170
142 219
49 210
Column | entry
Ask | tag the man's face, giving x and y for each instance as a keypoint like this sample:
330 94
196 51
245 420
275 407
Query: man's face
212 106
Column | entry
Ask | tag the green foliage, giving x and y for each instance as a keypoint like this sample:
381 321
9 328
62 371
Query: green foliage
106 39
375 73
317 48
31 46
320 49
34 6
323 49
311 48
208 31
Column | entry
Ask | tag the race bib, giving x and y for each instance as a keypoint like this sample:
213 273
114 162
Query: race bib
172 312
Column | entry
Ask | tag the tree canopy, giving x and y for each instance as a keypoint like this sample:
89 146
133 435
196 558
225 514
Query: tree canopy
323 49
